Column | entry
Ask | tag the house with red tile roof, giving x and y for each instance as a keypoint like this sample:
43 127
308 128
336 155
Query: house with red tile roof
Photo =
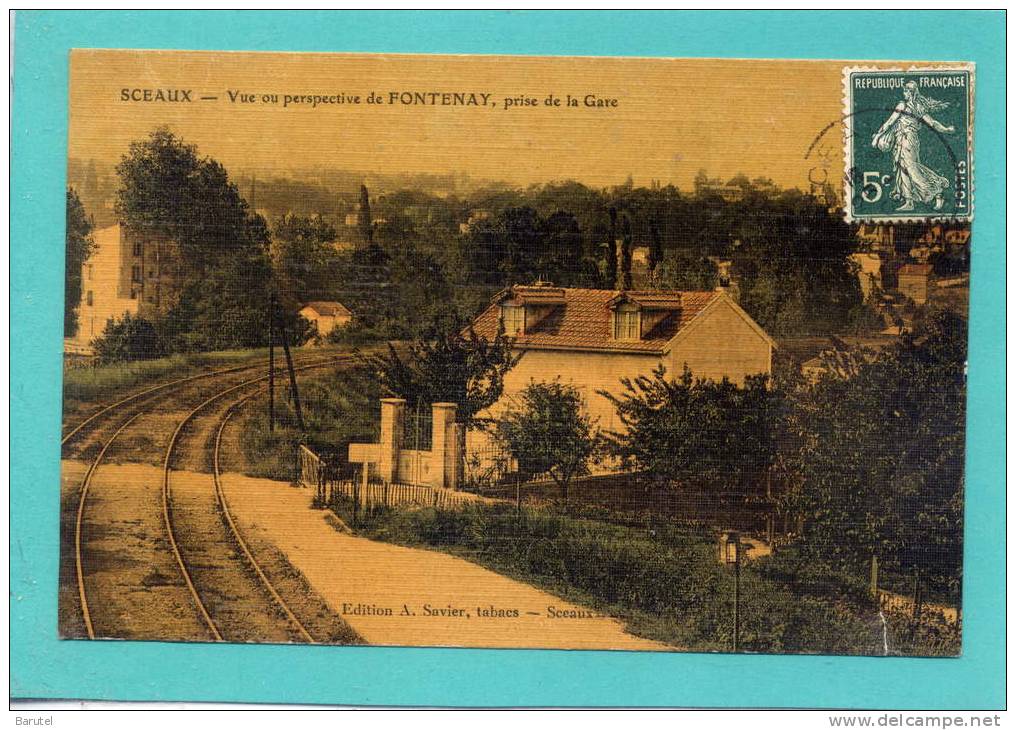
592 338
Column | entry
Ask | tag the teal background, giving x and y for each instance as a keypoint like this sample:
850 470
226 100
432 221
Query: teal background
933 152
42 666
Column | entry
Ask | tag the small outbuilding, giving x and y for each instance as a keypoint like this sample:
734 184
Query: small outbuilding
326 316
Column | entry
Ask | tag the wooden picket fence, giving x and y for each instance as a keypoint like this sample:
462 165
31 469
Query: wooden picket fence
315 473
385 494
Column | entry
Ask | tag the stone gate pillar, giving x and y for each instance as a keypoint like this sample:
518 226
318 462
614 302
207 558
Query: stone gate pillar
442 444
392 428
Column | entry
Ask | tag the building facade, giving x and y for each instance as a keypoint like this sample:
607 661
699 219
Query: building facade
914 282
128 272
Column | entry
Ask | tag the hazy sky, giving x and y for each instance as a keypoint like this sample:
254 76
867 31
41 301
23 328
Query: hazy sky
672 117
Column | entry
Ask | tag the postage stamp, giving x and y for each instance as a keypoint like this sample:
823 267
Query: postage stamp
908 143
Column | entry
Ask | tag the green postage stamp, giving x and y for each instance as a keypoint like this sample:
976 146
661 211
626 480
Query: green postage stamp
908 143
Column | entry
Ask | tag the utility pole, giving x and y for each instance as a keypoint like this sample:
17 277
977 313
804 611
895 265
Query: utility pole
292 376
737 597
271 362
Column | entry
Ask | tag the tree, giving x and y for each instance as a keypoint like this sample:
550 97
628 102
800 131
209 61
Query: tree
549 433
655 256
364 224
167 188
78 247
448 365
740 180
216 251
697 433
127 339
879 448
685 271
611 269
790 257
560 257
624 275
302 258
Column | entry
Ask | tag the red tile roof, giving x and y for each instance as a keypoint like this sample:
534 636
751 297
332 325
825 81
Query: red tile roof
583 322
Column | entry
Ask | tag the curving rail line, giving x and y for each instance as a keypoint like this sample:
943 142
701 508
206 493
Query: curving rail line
158 388
224 506
87 479
168 512
78 562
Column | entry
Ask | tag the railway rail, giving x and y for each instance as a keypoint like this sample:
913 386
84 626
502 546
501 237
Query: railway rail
168 387
235 531
84 489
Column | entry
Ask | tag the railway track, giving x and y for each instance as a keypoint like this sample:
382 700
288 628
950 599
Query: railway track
165 389
235 531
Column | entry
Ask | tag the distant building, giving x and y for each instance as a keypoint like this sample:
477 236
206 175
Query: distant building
326 316
128 271
845 356
876 236
937 235
914 282
730 193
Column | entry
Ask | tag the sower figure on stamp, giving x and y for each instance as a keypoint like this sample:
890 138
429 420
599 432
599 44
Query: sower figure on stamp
899 133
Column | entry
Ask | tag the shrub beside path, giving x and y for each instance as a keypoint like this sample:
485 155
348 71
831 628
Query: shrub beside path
394 595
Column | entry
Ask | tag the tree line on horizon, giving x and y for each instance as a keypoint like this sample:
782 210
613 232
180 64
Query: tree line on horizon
415 264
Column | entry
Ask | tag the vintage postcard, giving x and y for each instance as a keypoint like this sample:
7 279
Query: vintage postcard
516 352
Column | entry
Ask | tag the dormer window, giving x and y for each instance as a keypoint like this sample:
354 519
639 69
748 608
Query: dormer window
627 322
514 318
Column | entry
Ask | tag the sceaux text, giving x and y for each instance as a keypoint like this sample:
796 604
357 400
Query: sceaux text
165 96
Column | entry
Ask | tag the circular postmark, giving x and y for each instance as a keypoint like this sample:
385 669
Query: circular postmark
876 191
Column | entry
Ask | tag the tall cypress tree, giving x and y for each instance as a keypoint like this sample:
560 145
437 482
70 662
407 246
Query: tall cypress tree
612 248
624 275
363 220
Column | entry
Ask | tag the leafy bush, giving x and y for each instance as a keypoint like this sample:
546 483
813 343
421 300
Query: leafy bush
878 456
126 340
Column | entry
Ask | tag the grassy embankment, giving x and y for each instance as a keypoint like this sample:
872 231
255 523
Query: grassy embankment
100 383
340 405
87 385
664 583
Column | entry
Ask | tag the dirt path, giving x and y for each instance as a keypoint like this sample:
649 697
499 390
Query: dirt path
134 586
401 596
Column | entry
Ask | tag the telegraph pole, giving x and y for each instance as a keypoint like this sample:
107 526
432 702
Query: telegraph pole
737 598
292 376
271 361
